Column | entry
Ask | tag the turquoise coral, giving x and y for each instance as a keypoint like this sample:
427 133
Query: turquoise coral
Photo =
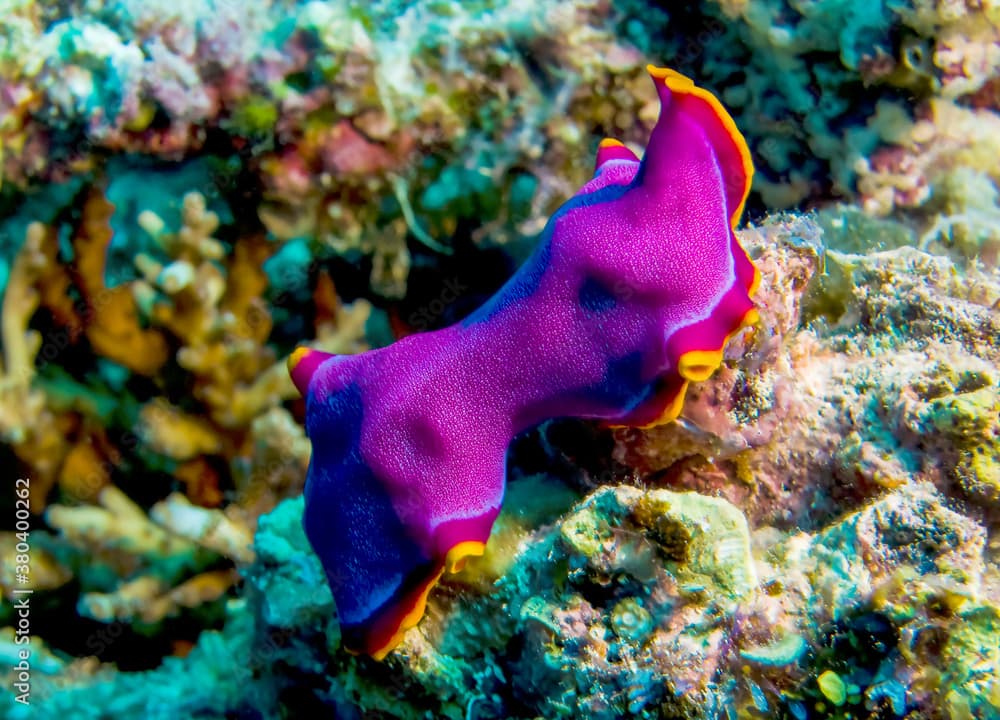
583 629
356 155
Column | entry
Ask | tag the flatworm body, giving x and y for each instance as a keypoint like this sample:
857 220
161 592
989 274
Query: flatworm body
633 292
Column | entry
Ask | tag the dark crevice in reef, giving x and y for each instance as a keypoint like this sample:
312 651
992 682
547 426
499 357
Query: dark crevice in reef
584 451
854 648
444 289
13 469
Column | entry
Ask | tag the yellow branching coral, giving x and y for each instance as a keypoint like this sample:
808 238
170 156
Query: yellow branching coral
210 529
201 480
119 533
46 572
54 285
84 472
175 434
21 406
116 525
218 313
148 599
209 302
25 421
175 527
113 327
221 318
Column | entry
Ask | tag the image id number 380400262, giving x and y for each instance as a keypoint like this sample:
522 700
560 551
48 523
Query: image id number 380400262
21 596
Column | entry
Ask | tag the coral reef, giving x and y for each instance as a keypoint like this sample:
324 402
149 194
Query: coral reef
27 423
400 476
614 611
939 166
332 105
729 583
189 188
828 413
228 443
883 66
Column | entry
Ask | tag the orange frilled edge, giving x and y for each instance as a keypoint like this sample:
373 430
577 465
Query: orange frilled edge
699 347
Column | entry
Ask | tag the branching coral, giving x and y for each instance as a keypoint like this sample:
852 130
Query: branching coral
146 598
21 405
26 422
47 572
209 303
217 312
152 553
112 317
116 528
210 529
218 346
175 434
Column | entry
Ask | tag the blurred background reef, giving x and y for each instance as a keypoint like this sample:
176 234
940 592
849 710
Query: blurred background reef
191 187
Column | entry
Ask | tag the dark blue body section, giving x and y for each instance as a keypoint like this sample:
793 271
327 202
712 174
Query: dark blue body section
368 556
623 386
595 299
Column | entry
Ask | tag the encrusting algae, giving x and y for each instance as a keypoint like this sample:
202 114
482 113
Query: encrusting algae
190 190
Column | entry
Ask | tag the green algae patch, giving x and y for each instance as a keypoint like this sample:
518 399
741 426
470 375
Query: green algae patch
833 687
970 420
704 541
972 665
966 416
978 471
585 531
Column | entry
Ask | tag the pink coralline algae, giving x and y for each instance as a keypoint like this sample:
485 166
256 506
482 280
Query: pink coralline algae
634 291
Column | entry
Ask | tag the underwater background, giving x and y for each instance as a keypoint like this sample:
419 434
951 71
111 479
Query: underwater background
190 188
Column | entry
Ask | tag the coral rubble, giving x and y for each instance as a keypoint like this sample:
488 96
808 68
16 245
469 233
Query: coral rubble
189 188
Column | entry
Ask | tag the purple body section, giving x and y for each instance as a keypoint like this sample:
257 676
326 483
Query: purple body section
639 268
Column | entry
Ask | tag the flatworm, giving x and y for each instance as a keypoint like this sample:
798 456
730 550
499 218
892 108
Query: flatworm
636 286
